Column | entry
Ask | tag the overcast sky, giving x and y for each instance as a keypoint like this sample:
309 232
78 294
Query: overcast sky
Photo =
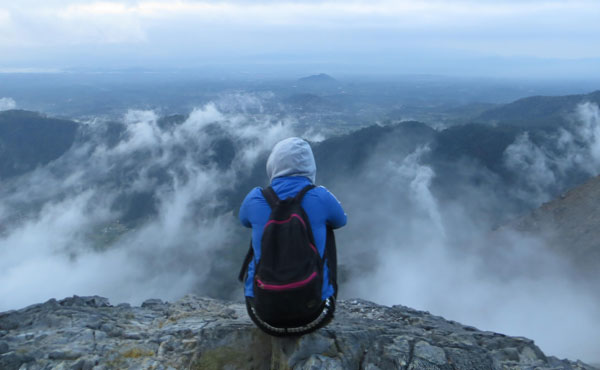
426 36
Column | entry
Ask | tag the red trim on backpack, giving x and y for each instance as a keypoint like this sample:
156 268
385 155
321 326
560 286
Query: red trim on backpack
293 215
297 284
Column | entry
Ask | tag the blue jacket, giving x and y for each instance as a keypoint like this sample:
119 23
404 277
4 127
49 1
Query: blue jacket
321 207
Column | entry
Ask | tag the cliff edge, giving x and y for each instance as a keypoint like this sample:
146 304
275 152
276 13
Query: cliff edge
201 333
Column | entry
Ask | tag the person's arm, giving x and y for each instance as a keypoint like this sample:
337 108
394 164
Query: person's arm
244 214
336 217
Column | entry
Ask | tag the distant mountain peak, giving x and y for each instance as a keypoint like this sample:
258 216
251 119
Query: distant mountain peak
318 78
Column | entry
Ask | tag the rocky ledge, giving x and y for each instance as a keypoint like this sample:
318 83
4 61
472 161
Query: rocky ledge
202 333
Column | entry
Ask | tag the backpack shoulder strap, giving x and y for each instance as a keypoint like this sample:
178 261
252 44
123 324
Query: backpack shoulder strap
331 257
270 196
247 260
300 195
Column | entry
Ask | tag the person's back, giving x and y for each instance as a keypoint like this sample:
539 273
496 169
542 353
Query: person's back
291 169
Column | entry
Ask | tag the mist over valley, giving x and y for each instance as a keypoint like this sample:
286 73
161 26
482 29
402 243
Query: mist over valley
130 190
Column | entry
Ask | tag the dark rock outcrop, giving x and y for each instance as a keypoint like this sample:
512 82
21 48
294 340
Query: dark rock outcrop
201 333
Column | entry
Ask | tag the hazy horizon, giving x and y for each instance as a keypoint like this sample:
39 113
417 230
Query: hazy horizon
519 39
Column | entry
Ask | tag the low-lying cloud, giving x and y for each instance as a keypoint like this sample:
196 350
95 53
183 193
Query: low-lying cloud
409 247
405 245
543 168
65 235
7 104
64 230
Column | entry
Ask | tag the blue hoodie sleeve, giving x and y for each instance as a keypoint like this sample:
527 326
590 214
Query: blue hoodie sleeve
244 214
336 217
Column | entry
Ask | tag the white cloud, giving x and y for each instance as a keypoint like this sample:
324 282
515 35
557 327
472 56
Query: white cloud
427 254
588 115
541 169
407 247
62 248
534 166
7 103
67 24
388 14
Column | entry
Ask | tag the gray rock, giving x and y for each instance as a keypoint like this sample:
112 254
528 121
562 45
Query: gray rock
429 353
9 321
64 355
93 301
3 347
320 362
13 361
132 335
83 333
291 351
83 364
153 303
474 359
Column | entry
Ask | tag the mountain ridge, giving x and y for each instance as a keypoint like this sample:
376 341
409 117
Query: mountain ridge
30 139
538 111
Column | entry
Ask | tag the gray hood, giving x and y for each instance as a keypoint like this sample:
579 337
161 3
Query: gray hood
291 157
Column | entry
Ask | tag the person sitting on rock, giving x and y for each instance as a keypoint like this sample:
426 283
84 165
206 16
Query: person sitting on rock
290 269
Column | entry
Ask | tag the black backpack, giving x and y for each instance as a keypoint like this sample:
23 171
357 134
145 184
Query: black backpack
288 277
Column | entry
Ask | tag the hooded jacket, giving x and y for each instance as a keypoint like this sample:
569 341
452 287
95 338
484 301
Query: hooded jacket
290 167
